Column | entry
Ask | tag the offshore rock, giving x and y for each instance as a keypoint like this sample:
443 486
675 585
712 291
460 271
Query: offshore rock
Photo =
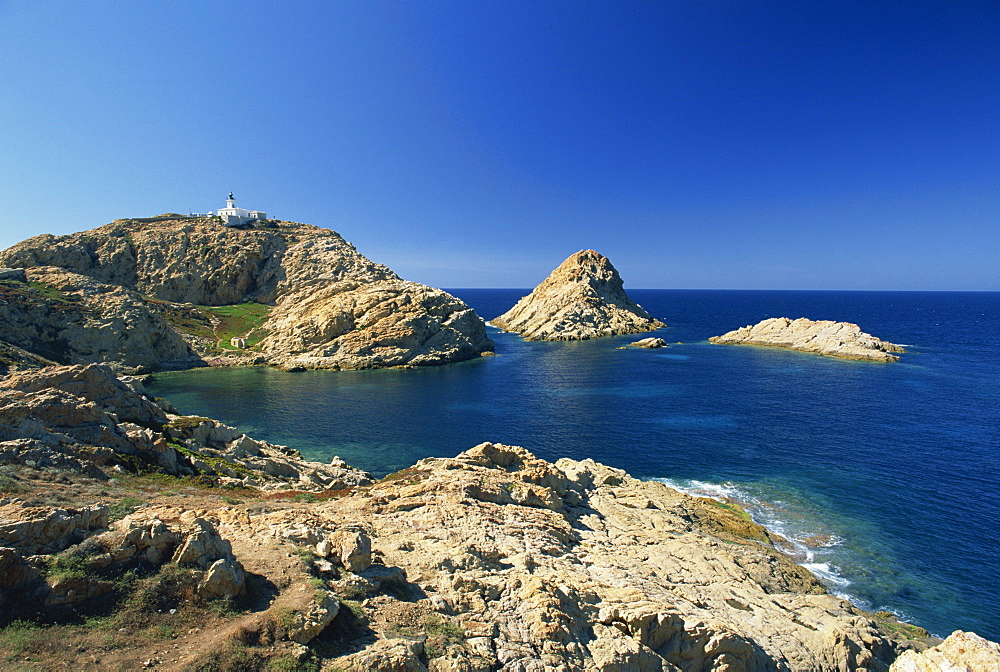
650 342
583 298
961 651
825 337
332 307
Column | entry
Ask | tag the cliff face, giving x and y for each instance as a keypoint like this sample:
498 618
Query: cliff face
583 298
824 337
327 305
73 319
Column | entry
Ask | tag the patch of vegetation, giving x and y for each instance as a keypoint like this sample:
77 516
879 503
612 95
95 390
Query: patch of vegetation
233 658
10 485
217 324
732 508
67 567
439 633
307 497
892 626
124 507
16 639
408 476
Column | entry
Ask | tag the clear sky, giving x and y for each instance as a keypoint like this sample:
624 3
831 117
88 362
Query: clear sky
697 143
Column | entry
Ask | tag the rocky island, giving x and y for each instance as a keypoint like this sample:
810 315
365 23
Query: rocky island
174 291
149 522
583 298
825 337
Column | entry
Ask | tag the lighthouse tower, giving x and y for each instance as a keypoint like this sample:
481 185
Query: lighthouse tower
233 216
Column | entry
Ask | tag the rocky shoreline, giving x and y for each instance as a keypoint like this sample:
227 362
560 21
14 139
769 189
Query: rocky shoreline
135 537
490 560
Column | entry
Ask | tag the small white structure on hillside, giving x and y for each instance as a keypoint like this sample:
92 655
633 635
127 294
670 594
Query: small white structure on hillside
233 216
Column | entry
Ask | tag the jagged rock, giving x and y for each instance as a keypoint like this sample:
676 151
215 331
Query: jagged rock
224 579
352 325
333 307
582 298
960 652
650 342
14 570
94 383
34 530
388 655
825 337
69 591
78 320
575 565
202 546
137 537
353 549
305 625
15 274
13 358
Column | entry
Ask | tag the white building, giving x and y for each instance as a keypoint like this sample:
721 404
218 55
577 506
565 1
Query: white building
233 216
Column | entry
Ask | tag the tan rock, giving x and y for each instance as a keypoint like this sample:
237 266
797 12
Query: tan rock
825 337
650 342
960 652
353 325
582 298
77 320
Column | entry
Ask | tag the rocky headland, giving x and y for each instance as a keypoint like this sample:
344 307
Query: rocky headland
583 298
146 520
824 337
174 291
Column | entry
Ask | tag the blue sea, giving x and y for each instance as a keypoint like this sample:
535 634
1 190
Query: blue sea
882 476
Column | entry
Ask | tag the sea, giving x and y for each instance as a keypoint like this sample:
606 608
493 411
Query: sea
883 477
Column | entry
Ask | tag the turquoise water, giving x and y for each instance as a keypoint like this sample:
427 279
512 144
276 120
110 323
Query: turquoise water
882 475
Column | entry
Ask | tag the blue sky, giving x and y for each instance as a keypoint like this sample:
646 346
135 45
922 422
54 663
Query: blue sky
698 144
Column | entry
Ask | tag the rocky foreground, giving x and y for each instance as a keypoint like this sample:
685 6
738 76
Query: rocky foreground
173 291
583 298
146 521
825 337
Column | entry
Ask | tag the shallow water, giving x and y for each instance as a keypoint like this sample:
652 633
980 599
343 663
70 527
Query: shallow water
882 475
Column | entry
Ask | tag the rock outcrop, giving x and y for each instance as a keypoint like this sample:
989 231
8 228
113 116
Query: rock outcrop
352 325
960 652
332 307
526 565
84 419
825 337
73 319
582 298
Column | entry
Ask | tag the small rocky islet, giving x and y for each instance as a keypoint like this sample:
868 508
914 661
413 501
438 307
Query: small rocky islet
490 560
824 337
583 298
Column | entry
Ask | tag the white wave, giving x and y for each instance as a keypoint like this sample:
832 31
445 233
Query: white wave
803 542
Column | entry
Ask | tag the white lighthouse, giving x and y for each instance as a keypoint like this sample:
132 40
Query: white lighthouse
233 216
